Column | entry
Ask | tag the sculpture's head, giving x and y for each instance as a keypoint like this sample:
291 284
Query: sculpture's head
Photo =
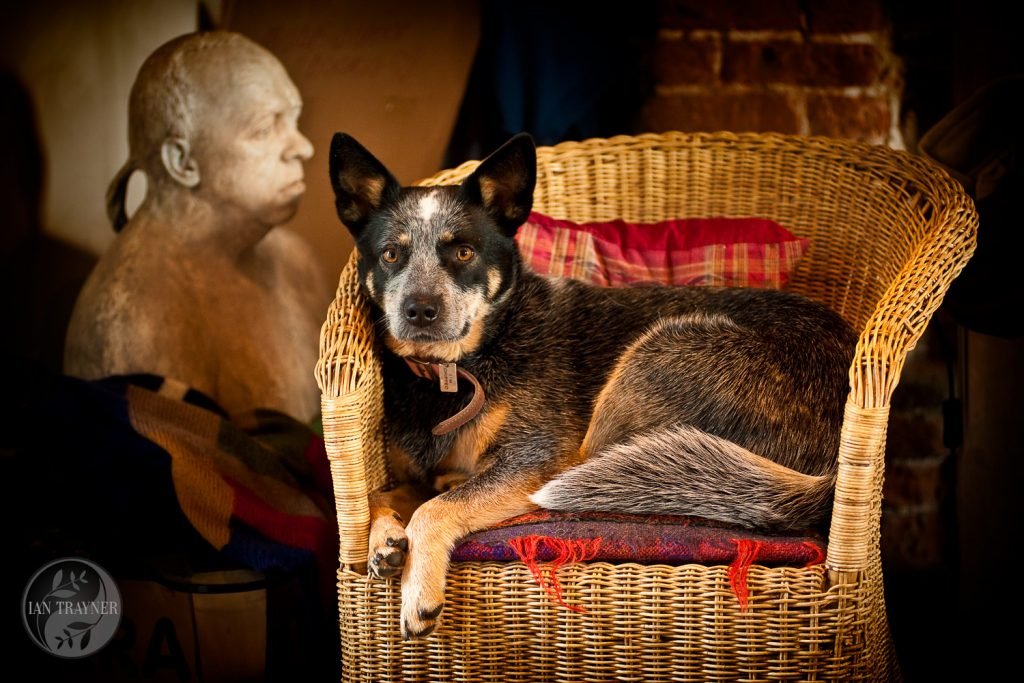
216 114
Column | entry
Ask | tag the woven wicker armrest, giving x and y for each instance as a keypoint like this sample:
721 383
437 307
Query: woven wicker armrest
349 376
892 330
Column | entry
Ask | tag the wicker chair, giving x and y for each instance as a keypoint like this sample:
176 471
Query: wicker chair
888 230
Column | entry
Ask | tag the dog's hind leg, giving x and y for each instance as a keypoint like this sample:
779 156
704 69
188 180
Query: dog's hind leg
778 397
703 417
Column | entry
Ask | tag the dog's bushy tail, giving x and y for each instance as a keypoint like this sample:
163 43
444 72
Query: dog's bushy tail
685 471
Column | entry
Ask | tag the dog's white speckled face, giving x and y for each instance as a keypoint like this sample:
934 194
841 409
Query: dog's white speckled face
435 260
430 277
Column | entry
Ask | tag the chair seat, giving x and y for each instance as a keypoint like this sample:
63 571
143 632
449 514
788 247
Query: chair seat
547 536
560 538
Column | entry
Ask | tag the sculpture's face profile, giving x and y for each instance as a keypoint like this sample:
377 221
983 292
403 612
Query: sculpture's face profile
247 141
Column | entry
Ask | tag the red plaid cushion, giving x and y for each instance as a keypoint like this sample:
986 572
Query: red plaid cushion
730 252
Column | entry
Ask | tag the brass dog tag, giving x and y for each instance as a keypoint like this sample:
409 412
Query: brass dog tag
448 374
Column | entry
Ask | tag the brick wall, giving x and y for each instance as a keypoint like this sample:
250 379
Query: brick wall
820 67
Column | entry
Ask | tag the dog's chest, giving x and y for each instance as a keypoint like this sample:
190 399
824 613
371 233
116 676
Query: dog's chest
414 406
463 459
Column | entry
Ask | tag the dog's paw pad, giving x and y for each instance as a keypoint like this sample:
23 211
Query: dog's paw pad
430 614
388 552
424 624
402 543
386 566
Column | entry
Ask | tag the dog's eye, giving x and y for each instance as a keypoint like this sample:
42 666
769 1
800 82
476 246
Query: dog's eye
389 255
465 253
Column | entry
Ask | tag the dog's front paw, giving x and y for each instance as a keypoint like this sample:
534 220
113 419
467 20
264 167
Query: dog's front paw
423 582
419 622
388 546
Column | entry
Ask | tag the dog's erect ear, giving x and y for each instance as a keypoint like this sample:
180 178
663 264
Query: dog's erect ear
361 183
503 183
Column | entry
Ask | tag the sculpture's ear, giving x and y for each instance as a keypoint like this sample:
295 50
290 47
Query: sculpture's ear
361 183
176 154
503 183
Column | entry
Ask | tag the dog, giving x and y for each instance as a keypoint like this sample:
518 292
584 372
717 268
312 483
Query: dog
723 403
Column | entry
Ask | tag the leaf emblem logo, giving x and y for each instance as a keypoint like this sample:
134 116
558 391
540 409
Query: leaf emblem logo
71 607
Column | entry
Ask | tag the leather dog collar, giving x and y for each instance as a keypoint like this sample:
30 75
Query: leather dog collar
432 371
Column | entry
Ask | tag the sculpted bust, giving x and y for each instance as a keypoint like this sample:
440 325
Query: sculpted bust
201 285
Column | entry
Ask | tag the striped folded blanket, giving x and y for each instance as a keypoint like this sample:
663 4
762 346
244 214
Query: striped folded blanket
141 467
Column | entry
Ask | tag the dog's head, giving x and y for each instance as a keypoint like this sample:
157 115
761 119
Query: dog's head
435 260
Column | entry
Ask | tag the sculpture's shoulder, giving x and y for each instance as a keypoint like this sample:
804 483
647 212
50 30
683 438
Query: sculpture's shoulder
245 334
298 265
122 310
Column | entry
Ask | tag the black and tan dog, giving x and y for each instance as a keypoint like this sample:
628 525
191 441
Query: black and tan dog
721 403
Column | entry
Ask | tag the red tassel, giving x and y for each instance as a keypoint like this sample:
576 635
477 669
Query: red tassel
526 549
565 551
746 553
819 554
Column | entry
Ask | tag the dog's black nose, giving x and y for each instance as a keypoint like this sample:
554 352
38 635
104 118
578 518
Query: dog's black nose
422 310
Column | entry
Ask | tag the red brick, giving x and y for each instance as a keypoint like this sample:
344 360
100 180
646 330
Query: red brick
843 16
914 539
687 61
815 64
912 483
914 434
913 533
858 117
842 64
764 15
752 15
693 14
712 111
770 61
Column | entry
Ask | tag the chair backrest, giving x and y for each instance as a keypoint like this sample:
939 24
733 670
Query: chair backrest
862 207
